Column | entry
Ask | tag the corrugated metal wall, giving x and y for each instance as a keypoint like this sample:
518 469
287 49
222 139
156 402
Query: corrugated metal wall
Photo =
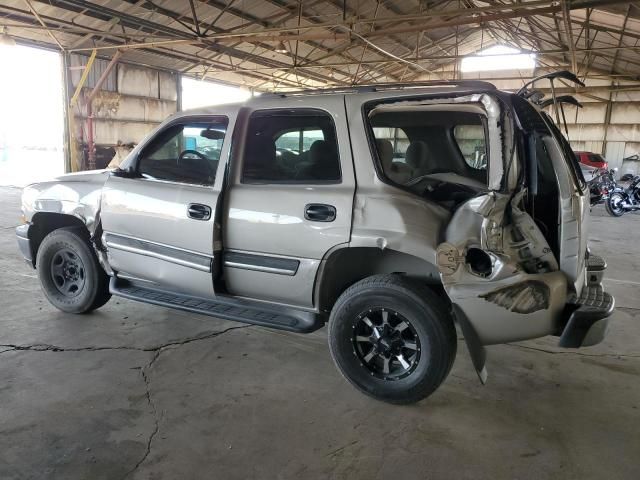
132 101
77 63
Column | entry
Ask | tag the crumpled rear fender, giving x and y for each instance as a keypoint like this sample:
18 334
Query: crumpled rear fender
501 272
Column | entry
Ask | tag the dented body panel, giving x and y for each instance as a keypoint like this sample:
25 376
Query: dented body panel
511 290
397 221
75 194
499 271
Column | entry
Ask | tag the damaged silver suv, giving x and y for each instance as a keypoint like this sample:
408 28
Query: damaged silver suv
389 212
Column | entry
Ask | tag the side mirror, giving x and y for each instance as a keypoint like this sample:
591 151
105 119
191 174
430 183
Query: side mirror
128 172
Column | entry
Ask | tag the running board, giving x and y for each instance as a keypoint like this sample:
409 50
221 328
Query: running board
227 308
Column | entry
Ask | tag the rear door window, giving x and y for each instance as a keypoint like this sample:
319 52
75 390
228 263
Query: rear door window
291 147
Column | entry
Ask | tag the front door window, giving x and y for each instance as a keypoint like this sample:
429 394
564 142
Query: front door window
184 153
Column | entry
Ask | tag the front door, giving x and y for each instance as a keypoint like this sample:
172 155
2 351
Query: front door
158 220
289 201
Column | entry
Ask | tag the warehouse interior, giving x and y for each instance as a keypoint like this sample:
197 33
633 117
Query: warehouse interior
140 391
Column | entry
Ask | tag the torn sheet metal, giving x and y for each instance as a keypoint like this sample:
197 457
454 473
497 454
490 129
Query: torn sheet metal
523 293
525 297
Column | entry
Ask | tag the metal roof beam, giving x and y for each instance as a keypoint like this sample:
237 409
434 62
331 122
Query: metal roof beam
132 21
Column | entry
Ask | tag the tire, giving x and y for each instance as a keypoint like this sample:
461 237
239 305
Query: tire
612 210
430 329
70 275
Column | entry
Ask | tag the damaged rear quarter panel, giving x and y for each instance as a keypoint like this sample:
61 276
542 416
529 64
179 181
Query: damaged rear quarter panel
524 294
396 220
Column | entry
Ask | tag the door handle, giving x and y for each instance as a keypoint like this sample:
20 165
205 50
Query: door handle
319 212
197 211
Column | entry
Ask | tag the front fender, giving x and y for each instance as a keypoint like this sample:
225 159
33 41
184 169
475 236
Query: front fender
77 195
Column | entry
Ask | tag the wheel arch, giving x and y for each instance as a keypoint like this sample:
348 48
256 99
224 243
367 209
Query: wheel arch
43 223
344 266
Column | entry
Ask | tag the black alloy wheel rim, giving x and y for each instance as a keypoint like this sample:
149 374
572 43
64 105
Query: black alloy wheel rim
68 272
385 343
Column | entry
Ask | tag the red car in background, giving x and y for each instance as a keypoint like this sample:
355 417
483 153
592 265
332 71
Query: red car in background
591 159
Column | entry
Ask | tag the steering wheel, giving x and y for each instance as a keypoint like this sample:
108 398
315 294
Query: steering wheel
191 152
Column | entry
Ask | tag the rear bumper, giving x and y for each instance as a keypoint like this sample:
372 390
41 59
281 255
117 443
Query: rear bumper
24 243
588 315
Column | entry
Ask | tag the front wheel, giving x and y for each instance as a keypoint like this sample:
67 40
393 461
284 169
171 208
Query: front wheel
614 205
392 339
70 275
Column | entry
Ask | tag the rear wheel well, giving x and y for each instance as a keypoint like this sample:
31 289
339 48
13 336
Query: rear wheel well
43 223
346 266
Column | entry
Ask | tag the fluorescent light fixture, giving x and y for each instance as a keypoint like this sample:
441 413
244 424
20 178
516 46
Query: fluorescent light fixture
281 48
498 57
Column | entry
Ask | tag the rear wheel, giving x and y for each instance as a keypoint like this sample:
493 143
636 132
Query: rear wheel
392 339
614 205
70 275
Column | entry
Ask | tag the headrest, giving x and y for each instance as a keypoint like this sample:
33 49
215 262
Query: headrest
320 151
417 154
385 152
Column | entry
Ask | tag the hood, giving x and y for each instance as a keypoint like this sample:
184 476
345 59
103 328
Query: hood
87 176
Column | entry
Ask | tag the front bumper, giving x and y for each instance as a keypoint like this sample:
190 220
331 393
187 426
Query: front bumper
24 242
588 315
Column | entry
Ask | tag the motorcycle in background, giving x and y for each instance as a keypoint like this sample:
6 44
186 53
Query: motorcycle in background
624 199
602 182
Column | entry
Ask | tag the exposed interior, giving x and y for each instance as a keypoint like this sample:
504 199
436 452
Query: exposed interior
439 154
543 206
542 199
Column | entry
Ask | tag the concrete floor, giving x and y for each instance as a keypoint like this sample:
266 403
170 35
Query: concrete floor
136 391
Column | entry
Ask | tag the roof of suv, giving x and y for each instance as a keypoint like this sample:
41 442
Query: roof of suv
445 86
383 90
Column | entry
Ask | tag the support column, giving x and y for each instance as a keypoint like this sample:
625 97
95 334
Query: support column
178 92
66 142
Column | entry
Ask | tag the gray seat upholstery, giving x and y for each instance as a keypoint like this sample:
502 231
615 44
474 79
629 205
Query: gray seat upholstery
396 172
385 152
418 159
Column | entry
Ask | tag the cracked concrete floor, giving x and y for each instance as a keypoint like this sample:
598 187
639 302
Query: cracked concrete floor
142 392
